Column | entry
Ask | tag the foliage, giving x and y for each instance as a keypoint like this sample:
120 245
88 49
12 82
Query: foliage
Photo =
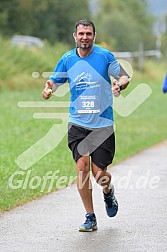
164 40
17 64
51 19
124 24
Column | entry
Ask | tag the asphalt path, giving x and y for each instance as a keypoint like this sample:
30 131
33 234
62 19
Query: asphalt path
51 222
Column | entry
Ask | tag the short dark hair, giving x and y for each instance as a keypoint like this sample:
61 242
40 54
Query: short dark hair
85 22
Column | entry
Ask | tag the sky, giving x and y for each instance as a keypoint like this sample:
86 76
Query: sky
158 7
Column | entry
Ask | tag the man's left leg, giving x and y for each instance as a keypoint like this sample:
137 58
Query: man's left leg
103 178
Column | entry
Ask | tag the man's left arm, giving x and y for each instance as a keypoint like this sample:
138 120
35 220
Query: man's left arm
120 82
123 78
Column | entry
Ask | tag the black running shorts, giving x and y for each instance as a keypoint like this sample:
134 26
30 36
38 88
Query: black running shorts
99 144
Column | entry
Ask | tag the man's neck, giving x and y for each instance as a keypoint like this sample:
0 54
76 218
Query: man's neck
84 52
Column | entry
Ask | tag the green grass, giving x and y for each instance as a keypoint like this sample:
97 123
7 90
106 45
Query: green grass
18 64
146 126
20 131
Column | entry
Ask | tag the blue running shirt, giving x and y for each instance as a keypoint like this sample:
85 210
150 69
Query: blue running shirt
90 86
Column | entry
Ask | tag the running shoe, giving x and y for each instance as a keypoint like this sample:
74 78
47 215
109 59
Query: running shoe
111 203
90 223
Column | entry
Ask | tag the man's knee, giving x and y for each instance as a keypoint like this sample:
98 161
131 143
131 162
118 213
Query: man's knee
83 165
101 176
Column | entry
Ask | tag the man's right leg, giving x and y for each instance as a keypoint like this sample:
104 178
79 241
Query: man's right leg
84 183
75 136
85 190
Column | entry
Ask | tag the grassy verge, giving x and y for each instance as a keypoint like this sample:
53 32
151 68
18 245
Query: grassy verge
146 126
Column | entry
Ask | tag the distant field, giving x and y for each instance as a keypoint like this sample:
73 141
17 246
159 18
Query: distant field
146 126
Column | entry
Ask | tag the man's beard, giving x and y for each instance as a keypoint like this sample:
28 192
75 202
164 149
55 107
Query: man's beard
85 46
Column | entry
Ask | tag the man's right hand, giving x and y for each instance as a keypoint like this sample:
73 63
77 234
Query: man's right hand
46 92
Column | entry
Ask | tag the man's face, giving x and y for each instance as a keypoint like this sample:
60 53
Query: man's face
84 36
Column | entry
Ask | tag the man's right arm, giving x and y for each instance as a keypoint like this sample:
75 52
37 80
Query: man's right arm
49 85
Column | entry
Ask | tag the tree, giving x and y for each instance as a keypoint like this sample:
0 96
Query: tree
51 19
57 21
124 24
164 39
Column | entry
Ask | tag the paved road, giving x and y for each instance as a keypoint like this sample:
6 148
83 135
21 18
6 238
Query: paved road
51 222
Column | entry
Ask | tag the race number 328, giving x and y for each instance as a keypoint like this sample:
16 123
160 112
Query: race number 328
88 104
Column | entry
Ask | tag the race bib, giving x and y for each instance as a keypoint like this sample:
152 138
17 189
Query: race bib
88 104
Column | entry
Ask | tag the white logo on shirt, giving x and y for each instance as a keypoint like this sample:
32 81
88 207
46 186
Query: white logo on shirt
84 78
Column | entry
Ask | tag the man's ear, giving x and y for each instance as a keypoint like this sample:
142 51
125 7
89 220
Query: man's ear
94 37
74 35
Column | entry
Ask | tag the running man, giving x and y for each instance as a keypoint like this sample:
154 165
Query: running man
88 68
